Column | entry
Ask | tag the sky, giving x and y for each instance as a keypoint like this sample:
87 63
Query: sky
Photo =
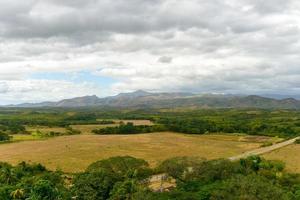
57 49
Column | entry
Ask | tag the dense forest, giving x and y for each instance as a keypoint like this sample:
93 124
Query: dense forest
127 178
130 128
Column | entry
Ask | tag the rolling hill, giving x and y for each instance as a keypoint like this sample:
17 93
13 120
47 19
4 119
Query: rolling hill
143 99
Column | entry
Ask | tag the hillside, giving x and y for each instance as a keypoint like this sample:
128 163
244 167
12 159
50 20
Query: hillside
143 99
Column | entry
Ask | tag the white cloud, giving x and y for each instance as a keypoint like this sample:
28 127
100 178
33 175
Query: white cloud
43 90
227 46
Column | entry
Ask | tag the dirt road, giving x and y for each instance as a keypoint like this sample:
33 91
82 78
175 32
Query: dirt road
160 177
264 150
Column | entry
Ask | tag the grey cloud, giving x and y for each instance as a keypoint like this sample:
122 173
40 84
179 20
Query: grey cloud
232 46
165 59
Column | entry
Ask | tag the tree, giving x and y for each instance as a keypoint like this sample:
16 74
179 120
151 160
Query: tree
123 166
4 137
248 188
124 190
44 190
17 194
94 186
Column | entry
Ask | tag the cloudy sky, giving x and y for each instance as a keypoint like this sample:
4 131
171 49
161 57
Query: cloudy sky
55 49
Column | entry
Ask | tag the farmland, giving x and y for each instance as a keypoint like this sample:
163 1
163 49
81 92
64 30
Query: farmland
289 155
75 153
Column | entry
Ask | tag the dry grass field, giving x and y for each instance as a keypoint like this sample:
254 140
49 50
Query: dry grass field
45 129
289 155
75 153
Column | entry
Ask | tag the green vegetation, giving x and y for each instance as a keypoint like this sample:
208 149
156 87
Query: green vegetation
104 122
225 123
12 127
32 182
129 128
4 137
282 123
297 141
128 178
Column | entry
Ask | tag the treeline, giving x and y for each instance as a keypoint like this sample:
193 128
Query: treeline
4 137
12 127
201 126
129 128
282 123
127 178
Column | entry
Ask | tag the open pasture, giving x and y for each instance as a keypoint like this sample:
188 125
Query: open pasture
75 153
289 155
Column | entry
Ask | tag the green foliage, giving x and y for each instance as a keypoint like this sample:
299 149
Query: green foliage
129 128
31 182
119 178
4 137
124 190
297 141
282 123
249 187
123 166
178 167
113 178
104 122
94 185
192 126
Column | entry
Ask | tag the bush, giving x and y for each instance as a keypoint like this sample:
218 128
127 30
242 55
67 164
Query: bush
129 128
4 137
297 141
267 144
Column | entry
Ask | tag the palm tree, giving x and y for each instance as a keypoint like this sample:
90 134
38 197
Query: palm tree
7 176
17 194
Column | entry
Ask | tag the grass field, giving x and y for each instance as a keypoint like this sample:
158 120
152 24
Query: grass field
289 155
75 153
45 129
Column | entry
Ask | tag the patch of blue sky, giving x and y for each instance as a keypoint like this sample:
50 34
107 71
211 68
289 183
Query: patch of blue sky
76 77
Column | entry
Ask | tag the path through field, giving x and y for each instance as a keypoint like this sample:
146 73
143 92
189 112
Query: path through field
264 150
158 180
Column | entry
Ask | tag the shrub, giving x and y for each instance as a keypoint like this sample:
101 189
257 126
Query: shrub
4 137
297 141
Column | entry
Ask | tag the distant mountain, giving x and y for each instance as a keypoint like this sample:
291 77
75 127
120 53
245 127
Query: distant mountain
143 99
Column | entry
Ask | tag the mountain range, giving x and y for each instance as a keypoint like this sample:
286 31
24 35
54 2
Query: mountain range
143 99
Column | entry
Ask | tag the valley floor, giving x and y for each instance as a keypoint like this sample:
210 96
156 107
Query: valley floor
75 153
289 155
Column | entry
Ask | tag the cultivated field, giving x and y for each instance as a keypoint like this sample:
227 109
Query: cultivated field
75 153
289 155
